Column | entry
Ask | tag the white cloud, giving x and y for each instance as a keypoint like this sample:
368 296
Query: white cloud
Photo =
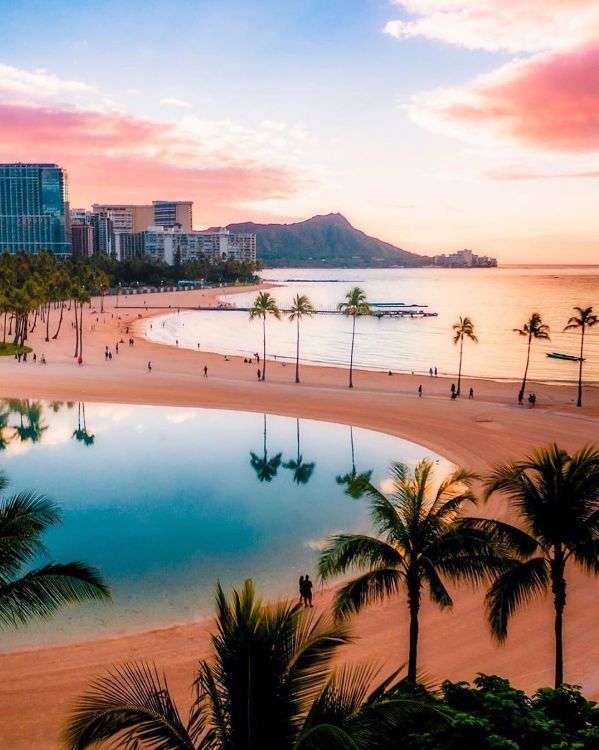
172 101
500 25
38 84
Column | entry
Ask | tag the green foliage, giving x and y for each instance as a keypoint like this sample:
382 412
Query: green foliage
492 715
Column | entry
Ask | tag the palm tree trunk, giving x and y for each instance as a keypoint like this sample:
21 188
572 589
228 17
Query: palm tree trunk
81 331
351 358
523 388
4 329
48 323
414 607
298 440
76 331
297 380
264 347
558 587
460 367
59 321
579 401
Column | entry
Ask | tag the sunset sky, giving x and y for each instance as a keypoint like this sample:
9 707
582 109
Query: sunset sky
433 124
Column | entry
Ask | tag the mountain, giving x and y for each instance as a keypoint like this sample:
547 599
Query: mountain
324 241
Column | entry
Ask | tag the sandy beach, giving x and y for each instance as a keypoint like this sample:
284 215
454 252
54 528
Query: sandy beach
36 688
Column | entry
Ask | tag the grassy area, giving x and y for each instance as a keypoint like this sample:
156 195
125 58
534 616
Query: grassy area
7 349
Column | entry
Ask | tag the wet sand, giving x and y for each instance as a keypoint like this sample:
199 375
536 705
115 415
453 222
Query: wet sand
36 687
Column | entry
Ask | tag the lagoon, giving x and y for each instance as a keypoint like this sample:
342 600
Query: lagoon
166 500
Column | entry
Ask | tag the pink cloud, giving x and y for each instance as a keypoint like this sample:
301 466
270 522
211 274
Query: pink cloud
549 102
512 25
119 158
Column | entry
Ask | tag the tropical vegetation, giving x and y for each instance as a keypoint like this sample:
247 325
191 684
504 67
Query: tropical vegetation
554 496
584 319
355 305
29 593
264 305
533 329
463 329
269 683
421 539
301 307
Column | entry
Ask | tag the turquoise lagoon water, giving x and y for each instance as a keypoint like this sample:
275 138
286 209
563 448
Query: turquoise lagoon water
168 500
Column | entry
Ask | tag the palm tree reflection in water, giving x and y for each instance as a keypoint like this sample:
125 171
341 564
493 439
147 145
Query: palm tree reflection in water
266 468
352 480
81 434
302 470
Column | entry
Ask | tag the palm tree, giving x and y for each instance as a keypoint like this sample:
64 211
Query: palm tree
464 328
266 468
354 305
556 497
268 684
534 328
585 319
300 307
264 305
41 591
81 434
353 481
420 539
302 470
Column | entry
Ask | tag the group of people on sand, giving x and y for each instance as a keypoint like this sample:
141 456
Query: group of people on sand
305 591
532 399
453 391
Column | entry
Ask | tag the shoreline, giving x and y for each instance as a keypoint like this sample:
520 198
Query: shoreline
36 692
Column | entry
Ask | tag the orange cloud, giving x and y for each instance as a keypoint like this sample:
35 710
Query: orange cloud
113 157
549 102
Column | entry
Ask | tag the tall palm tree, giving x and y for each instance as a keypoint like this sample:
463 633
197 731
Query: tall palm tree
264 305
464 328
534 328
302 470
585 319
268 684
355 304
41 591
266 468
555 496
300 307
420 540
353 481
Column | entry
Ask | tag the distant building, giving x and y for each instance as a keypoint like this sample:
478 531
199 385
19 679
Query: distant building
126 217
464 259
34 209
168 245
172 214
82 239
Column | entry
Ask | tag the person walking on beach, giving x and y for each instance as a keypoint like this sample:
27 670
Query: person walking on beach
534 400
435 372
453 389
149 367
520 397
430 371
308 591
420 391
259 373
471 393
205 371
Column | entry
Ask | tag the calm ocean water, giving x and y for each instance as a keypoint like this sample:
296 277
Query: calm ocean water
165 501
498 300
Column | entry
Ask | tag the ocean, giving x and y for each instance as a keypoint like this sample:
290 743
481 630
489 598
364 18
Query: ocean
496 299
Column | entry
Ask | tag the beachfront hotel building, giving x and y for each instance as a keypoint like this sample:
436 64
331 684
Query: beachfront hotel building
168 245
172 214
34 209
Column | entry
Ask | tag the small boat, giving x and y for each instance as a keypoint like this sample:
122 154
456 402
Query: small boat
568 357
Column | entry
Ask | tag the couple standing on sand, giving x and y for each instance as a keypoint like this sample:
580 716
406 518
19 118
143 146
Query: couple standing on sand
305 591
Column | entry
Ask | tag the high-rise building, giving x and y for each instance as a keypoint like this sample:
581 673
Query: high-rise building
34 209
126 217
171 214
82 239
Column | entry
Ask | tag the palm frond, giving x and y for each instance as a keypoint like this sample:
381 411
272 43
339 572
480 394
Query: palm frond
347 551
41 592
132 703
369 588
519 585
23 519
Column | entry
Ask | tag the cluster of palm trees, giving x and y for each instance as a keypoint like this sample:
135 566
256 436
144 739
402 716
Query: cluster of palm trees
34 286
356 305
424 539
533 329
